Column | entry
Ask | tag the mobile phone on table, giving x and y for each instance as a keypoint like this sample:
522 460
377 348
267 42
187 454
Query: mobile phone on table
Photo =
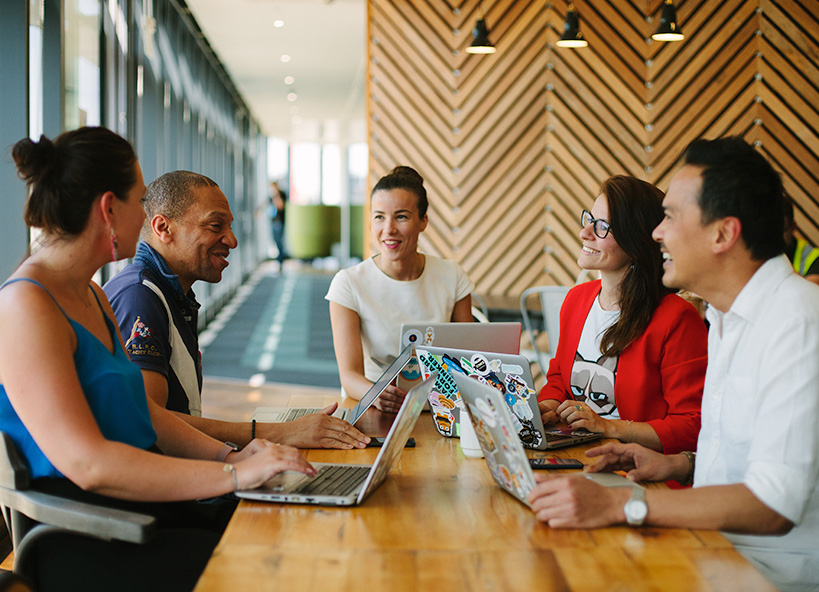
378 442
555 463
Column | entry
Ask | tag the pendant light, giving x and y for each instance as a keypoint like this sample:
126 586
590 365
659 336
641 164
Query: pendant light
480 37
572 37
668 29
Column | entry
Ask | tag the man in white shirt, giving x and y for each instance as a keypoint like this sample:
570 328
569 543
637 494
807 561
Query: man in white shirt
755 476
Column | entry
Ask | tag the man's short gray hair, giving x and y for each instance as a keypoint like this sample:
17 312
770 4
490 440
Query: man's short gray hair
171 195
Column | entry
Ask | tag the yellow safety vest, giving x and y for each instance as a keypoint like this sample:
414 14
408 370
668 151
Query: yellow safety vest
804 256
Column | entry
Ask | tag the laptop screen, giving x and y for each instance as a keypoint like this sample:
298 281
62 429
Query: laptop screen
381 384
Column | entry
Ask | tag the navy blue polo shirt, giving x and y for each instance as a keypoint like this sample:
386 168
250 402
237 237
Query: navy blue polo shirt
145 326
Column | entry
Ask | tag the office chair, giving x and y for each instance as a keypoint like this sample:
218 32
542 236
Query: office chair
32 516
480 313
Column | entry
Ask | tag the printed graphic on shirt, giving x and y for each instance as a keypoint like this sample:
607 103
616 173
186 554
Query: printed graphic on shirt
593 382
138 343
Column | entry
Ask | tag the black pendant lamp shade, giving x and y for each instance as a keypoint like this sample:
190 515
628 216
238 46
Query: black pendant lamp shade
668 29
572 37
480 39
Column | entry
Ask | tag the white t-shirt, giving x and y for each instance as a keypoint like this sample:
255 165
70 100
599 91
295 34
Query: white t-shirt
760 415
592 374
383 304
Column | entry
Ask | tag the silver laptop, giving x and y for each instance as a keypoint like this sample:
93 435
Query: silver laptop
505 456
281 414
345 484
502 338
511 375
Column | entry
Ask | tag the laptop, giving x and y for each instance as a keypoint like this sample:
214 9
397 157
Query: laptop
511 375
282 414
347 484
502 338
505 456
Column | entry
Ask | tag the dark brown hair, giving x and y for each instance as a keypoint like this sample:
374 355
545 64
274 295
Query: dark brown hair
407 178
635 210
66 176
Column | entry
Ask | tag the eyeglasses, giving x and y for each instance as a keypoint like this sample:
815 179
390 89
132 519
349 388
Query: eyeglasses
601 227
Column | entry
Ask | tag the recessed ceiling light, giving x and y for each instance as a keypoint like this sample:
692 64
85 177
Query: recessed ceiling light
285 58
278 23
289 80
292 96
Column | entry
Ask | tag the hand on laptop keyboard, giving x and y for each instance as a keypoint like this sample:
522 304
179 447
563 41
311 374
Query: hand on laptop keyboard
260 460
320 430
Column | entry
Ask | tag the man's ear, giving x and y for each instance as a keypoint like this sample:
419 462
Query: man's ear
161 228
728 231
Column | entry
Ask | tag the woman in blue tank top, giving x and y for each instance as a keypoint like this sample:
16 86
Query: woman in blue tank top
69 397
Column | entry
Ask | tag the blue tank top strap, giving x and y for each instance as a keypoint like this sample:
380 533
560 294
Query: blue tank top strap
36 283
97 298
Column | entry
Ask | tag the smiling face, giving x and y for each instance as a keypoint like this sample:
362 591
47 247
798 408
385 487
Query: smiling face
396 223
202 238
683 238
603 254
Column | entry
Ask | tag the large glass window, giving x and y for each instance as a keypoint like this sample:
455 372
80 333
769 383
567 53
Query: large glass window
358 162
331 178
35 68
305 173
82 63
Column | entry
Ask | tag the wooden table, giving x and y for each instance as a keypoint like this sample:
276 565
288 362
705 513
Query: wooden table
440 523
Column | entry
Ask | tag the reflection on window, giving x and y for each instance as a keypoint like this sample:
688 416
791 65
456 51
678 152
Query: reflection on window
82 63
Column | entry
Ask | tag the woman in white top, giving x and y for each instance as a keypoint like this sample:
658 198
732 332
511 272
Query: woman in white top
370 301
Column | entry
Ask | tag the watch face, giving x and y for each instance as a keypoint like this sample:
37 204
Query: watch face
636 511
636 508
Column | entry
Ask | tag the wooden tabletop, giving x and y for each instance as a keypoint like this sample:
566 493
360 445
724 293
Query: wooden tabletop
440 523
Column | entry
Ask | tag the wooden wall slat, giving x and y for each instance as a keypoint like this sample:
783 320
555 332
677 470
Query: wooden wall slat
513 145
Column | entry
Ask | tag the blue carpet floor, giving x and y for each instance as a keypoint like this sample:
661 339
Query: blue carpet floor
280 330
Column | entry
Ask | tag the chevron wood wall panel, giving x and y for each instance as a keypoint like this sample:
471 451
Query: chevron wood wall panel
513 145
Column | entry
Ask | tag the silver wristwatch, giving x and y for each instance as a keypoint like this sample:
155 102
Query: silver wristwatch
636 508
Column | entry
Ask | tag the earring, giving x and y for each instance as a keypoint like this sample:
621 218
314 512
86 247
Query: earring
114 255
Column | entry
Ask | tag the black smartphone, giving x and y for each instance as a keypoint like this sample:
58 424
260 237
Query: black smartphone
555 463
378 442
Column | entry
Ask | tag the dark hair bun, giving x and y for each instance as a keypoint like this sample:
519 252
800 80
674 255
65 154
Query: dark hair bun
34 159
407 172
67 174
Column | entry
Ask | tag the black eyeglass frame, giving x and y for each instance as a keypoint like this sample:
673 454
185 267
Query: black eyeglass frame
598 226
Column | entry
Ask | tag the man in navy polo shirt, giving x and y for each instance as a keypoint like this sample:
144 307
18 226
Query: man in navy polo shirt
187 237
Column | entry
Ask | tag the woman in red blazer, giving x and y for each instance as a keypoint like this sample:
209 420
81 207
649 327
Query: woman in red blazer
630 360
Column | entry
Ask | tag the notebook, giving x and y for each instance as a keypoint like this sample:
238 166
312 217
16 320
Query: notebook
281 414
502 338
510 375
504 454
345 484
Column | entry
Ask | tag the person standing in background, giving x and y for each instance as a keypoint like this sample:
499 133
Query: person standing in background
278 201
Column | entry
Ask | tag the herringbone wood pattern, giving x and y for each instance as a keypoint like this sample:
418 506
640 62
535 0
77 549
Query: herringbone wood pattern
513 145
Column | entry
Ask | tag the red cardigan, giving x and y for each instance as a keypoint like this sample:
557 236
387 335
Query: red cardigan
660 375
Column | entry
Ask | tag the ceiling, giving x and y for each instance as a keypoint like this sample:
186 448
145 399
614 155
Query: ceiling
326 42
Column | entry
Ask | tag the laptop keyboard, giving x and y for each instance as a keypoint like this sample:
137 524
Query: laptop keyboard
297 413
335 480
